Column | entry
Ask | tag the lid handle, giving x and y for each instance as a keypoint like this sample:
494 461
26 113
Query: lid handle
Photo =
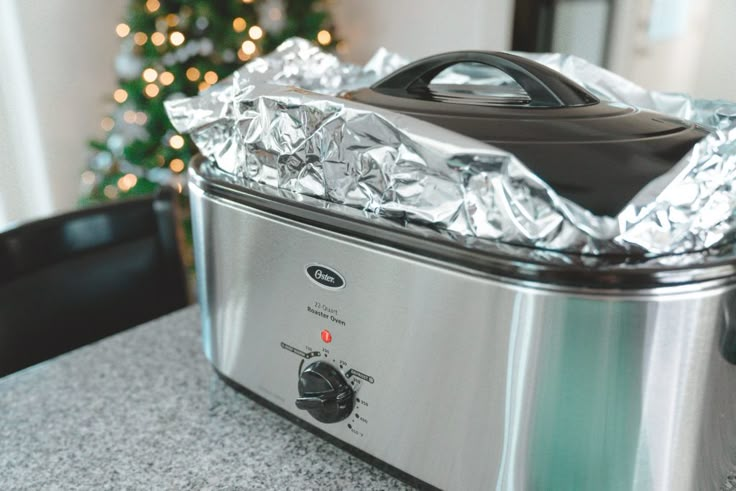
544 86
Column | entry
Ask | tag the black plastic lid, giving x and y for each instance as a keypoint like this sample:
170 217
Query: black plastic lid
596 154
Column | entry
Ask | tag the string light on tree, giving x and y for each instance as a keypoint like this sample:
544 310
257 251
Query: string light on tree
176 142
151 90
152 5
88 178
255 32
158 39
120 95
210 77
129 117
177 165
176 38
239 24
179 48
324 37
122 29
248 47
192 74
110 191
150 75
140 38
127 182
166 78
107 123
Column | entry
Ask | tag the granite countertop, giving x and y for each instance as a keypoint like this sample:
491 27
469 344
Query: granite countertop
144 410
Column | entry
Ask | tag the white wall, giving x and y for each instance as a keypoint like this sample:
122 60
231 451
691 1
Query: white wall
716 70
21 154
699 60
69 50
419 28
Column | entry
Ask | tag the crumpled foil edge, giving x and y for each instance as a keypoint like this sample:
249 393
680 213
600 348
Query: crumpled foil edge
275 122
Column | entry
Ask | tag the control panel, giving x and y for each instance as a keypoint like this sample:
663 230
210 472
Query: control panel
328 389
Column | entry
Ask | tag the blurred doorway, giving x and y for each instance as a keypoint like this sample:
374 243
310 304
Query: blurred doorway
578 27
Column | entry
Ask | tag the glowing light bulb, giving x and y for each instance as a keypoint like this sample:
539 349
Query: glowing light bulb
255 32
129 117
131 180
242 56
110 191
248 47
210 77
176 142
239 24
107 123
122 29
158 38
151 90
192 74
324 37
127 182
203 86
88 177
166 78
176 165
152 5
140 38
176 38
120 96
172 20
141 118
247 1
150 75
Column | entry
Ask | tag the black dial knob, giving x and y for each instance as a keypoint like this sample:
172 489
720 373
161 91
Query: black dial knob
324 393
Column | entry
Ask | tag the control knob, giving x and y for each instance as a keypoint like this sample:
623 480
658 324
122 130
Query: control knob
324 393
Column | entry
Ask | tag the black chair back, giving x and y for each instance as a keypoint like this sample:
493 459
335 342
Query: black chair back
72 279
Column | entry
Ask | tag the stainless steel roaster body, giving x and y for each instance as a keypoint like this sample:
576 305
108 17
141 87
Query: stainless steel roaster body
464 378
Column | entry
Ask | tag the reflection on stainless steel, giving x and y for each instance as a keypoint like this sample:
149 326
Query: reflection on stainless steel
479 383
393 166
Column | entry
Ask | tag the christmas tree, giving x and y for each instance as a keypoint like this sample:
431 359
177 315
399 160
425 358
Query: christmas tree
180 47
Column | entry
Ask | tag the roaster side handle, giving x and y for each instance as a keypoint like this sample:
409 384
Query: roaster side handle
728 330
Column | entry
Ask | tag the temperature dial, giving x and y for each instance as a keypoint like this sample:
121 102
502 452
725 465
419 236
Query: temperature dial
324 393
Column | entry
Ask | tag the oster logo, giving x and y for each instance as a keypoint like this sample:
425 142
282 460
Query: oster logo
325 277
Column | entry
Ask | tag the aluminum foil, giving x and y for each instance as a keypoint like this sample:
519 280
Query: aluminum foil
276 123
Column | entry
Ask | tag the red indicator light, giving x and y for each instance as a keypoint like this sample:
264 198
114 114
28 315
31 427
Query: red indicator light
326 336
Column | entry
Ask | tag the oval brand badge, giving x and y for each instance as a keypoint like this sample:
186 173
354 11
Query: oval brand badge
324 276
